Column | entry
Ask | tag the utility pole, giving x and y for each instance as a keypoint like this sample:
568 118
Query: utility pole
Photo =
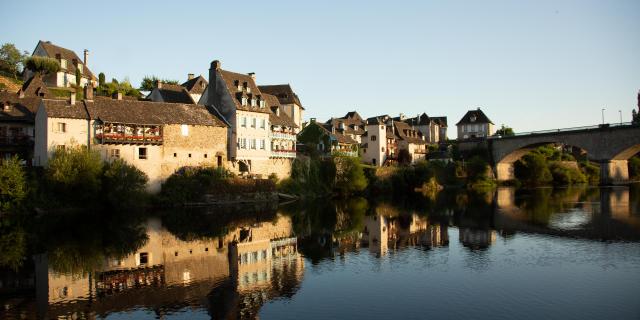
620 112
603 115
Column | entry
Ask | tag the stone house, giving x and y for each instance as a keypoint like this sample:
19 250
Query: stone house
433 129
351 125
283 136
289 102
158 138
237 98
69 62
326 140
385 137
410 139
189 92
475 124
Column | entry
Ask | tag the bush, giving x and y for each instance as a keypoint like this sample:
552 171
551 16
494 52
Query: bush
74 175
123 184
44 65
533 170
476 169
350 177
13 187
563 175
591 172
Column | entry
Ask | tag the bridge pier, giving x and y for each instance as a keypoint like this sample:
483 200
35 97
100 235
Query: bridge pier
614 172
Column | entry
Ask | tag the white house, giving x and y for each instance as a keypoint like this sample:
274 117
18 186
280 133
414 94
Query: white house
69 62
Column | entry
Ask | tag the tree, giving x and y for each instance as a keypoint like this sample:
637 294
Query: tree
505 131
149 82
43 65
75 173
533 170
123 184
13 187
101 79
404 157
11 59
350 176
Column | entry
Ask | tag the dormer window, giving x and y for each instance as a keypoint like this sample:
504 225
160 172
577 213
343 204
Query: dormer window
248 89
63 63
202 84
473 118
261 103
80 67
245 85
244 101
253 102
237 84
7 107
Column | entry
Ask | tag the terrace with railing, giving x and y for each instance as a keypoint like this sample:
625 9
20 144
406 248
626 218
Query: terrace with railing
282 135
16 140
282 153
120 133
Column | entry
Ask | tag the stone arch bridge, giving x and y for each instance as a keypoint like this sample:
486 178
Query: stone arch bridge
609 145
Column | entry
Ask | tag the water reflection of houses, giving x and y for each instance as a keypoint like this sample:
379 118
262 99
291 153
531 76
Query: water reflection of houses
261 261
382 233
477 238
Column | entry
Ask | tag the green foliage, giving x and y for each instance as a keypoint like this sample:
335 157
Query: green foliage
350 177
564 175
312 135
13 243
634 168
123 184
101 79
124 87
533 170
42 65
310 177
13 187
505 131
149 82
78 77
192 184
476 169
591 172
11 59
74 173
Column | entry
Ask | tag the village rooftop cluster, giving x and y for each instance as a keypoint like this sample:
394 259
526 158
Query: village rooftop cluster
226 120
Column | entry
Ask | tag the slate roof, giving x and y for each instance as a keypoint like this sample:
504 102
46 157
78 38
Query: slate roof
341 138
53 50
279 120
56 108
144 112
196 85
474 116
22 109
173 93
442 121
284 92
133 112
35 87
405 132
232 81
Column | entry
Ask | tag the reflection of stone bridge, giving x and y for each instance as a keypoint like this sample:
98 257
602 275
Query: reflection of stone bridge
611 215
609 145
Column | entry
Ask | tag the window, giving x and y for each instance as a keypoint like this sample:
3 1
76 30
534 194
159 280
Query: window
253 122
248 89
253 144
7 107
63 63
262 144
244 101
261 103
263 123
189 155
382 149
373 138
185 130
60 147
80 67
205 155
114 153
175 155
243 123
142 153
253 102
219 158
62 127
175 253
144 258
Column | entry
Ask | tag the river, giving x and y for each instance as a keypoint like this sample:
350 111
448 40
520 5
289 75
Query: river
570 253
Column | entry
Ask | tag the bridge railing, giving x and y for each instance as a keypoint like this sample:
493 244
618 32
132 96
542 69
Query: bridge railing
605 125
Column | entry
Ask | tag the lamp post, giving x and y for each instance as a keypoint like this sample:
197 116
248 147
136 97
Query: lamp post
620 112
603 115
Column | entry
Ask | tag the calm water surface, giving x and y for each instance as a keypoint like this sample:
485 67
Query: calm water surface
546 253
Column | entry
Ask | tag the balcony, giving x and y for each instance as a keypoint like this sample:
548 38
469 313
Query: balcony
16 141
118 138
344 153
283 153
282 135
118 133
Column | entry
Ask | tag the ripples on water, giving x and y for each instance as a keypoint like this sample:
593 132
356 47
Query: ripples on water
566 254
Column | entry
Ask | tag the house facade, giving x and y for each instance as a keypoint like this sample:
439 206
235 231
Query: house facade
475 124
157 139
69 62
237 98
327 141
351 125
385 137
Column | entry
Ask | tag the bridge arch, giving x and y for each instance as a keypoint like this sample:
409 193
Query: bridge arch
609 146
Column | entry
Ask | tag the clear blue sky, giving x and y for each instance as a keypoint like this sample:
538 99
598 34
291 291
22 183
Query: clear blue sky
531 65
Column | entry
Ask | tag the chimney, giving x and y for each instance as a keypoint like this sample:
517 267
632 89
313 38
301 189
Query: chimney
190 76
212 97
401 116
159 84
252 75
21 93
216 65
72 98
117 95
86 57
312 120
88 91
